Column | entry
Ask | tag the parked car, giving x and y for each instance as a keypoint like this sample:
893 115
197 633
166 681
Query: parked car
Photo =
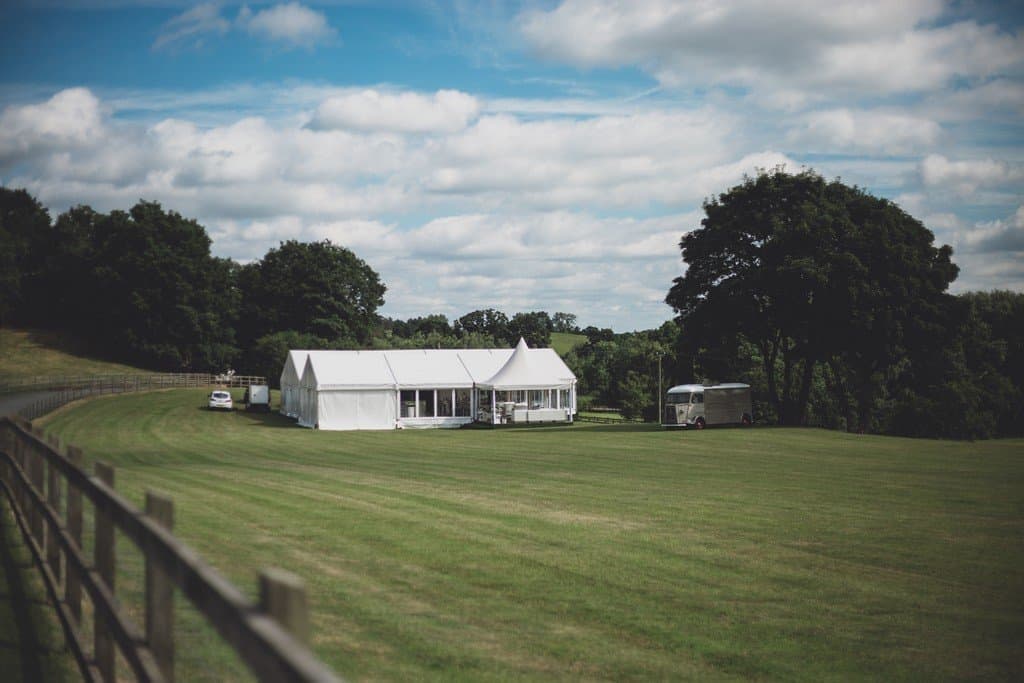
220 400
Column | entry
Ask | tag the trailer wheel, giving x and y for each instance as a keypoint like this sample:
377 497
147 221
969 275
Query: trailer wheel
699 424
746 421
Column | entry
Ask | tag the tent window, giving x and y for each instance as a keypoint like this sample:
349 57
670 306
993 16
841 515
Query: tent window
426 403
445 407
462 403
408 401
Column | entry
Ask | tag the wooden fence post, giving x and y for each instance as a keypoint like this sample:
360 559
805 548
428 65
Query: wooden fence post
53 498
105 558
72 583
283 597
160 593
37 477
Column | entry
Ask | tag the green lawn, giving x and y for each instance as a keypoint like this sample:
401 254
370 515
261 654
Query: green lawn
594 552
34 353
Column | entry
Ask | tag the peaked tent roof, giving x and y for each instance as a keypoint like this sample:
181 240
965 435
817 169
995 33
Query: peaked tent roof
531 369
348 370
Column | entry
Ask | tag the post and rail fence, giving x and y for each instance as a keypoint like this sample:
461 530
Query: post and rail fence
47 486
67 388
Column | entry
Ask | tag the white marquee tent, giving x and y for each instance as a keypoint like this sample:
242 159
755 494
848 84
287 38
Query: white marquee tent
430 388
294 364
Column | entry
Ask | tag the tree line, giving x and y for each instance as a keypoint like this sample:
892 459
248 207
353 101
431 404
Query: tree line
141 286
833 304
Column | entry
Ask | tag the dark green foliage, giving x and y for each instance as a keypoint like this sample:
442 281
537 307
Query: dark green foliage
535 327
487 321
315 288
810 272
622 371
267 356
24 234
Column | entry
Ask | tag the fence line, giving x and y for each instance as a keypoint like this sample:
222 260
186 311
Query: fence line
68 389
149 380
35 476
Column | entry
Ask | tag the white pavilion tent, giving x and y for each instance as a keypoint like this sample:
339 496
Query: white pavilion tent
431 387
294 364
531 386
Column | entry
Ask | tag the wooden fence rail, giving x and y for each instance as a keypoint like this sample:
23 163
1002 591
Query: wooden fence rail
146 380
66 389
46 489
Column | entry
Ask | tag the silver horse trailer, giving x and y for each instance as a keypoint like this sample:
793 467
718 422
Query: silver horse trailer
697 405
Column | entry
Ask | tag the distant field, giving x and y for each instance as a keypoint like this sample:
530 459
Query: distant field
32 353
594 552
564 342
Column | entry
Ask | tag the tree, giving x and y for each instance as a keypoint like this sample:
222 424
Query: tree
809 271
24 236
315 288
267 356
564 322
157 294
487 321
534 327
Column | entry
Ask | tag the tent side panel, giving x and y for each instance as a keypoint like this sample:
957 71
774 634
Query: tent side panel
365 409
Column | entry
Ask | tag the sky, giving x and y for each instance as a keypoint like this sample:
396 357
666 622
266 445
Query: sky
521 155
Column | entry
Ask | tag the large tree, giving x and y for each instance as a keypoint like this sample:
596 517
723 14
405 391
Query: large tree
24 237
157 293
315 288
809 271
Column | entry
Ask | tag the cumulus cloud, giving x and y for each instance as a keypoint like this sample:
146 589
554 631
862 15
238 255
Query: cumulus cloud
71 119
404 112
469 202
967 176
796 47
998 236
292 24
865 131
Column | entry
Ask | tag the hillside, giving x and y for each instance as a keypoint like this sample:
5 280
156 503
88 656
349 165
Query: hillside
564 342
597 552
32 353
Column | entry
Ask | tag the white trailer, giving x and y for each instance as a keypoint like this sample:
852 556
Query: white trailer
698 406
257 397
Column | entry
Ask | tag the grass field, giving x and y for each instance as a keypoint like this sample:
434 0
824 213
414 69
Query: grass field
592 551
32 353
564 342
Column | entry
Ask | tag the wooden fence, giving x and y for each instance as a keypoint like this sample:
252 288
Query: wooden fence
47 488
64 389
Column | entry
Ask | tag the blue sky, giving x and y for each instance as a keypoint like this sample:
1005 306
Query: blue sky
522 156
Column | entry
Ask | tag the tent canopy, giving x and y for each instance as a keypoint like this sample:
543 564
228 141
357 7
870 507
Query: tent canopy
347 370
530 368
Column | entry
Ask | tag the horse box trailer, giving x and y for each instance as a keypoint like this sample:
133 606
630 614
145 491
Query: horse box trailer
257 397
697 405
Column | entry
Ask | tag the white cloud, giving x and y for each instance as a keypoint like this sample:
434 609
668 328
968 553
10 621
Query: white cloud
865 131
192 27
998 236
799 47
292 23
372 110
474 203
71 119
967 176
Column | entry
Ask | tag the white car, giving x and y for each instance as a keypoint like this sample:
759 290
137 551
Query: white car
220 400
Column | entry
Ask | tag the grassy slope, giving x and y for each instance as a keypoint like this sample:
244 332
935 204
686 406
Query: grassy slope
31 353
596 551
564 342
